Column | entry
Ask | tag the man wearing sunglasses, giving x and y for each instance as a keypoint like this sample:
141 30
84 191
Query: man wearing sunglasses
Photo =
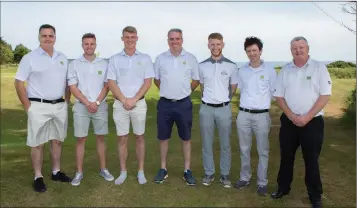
174 70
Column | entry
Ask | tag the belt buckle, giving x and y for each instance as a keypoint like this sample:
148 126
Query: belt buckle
54 101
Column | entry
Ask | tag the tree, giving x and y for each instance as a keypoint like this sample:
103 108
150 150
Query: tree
19 52
6 55
350 8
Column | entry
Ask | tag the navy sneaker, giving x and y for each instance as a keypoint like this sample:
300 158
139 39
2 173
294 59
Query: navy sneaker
188 177
161 176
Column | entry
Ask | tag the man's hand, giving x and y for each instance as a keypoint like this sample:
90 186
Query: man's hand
302 120
293 117
92 107
27 106
129 103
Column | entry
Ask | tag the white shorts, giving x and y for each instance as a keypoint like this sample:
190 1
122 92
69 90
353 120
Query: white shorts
137 116
46 122
82 118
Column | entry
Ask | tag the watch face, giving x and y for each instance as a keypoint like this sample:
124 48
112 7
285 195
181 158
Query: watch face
98 103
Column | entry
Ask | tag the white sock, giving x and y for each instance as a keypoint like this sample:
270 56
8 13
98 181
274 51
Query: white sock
55 172
141 177
36 177
121 178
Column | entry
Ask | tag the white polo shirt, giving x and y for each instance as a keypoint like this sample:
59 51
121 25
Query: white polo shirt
256 86
88 76
301 87
175 74
130 71
45 75
216 77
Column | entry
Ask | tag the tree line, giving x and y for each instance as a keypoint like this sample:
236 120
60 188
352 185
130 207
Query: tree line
9 56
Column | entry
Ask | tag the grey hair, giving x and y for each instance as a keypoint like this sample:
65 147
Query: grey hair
175 30
299 38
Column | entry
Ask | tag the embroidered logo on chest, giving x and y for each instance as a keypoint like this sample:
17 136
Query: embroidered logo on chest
308 77
100 72
224 72
61 62
261 77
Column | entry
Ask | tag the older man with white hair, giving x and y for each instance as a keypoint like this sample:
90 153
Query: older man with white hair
303 89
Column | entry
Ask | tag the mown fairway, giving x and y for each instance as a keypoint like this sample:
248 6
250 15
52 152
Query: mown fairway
337 163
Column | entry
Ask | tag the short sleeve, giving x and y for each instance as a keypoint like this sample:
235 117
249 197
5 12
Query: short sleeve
72 77
200 73
195 74
279 90
157 68
24 69
149 68
234 78
106 71
272 79
111 71
325 81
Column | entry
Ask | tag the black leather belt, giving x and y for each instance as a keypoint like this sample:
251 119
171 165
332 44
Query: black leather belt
216 105
253 111
173 100
47 101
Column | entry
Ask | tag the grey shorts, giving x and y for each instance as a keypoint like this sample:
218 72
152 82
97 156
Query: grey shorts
82 118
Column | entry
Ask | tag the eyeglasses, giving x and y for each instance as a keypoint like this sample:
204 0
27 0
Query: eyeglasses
172 39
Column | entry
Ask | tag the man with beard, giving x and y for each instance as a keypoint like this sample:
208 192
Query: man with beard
130 74
256 84
45 71
217 73
174 70
87 81
303 89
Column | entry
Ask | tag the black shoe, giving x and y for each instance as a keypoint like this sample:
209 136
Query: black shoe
316 204
278 194
38 185
60 177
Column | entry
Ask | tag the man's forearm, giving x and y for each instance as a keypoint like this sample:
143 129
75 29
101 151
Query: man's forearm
67 94
194 84
233 90
78 94
21 92
319 105
143 89
283 106
202 88
103 93
113 87
157 83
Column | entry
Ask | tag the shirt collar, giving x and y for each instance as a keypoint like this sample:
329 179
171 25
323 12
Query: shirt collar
83 59
41 52
218 61
122 53
262 64
183 52
308 63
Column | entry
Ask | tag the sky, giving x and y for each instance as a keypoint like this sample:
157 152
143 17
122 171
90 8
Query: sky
275 23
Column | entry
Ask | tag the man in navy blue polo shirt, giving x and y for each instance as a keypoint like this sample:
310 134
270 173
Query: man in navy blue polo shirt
174 70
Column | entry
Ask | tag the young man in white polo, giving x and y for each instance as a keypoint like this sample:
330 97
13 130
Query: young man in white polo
302 90
45 71
87 81
256 84
130 74
218 80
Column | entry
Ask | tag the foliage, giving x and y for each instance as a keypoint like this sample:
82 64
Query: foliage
345 73
340 64
19 52
6 54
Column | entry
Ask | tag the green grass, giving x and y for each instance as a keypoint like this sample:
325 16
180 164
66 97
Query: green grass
337 163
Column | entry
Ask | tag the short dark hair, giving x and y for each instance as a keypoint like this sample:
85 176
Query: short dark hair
217 36
251 41
47 26
174 30
88 35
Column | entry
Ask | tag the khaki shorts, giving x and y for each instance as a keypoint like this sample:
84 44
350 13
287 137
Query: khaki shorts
137 116
46 122
82 118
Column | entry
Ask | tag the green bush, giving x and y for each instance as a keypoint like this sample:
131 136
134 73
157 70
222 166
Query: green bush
349 117
346 73
341 64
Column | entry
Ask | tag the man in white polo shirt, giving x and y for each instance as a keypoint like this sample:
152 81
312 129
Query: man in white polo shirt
256 84
217 73
87 81
130 74
174 70
45 71
303 89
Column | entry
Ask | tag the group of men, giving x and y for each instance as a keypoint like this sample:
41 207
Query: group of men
301 90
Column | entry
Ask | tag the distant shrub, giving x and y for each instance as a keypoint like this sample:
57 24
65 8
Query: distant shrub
341 64
349 118
278 67
346 73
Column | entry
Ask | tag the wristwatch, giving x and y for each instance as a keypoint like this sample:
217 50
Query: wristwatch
97 102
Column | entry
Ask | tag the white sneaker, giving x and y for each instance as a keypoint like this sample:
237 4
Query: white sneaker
77 179
106 175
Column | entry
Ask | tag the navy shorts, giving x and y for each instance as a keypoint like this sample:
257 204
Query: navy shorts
179 112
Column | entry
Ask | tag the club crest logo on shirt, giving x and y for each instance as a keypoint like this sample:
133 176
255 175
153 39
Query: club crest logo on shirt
100 72
139 63
329 82
61 62
224 72
184 62
308 77
261 77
